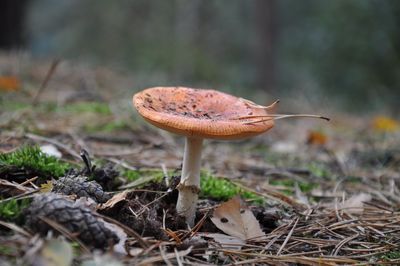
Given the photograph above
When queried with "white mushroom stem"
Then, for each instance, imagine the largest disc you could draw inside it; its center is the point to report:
(189, 187)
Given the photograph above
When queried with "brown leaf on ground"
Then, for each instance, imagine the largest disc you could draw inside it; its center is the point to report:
(316, 138)
(236, 219)
(9, 83)
(114, 200)
(355, 204)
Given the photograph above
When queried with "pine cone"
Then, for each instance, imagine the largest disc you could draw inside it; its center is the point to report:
(77, 218)
(80, 186)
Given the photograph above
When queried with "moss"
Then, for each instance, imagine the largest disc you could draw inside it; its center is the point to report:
(319, 170)
(217, 188)
(392, 255)
(7, 251)
(33, 160)
(75, 108)
(223, 189)
(86, 107)
(13, 106)
(133, 175)
(11, 209)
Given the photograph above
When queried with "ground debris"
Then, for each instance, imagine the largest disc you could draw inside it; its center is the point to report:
(333, 226)
(148, 210)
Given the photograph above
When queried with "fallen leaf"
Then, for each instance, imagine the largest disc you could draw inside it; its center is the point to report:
(235, 219)
(316, 138)
(385, 124)
(355, 203)
(46, 187)
(114, 200)
(9, 83)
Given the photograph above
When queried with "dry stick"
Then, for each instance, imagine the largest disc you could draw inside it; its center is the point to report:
(288, 237)
(15, 228)
(15, 186)
(197, 227)
(178, 257)
(29, 181)
(274, 239)
(145, 207)
(54, 142)
(21, 196)
(337, 248)
(380, 207)
(51, 71)
(255, 105)
(280, 116)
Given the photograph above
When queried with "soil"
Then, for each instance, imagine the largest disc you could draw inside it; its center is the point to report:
(144, 211)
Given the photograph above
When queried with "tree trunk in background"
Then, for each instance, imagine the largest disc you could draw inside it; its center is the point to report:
(12, 20)
(266, 20)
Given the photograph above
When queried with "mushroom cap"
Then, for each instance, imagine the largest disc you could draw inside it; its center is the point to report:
(200, 113)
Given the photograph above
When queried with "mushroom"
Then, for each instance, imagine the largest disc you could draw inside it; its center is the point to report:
(201, 114)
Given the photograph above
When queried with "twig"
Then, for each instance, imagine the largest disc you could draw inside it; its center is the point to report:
(46, 80)
(288, 237)
(15, 228)
(341, 244)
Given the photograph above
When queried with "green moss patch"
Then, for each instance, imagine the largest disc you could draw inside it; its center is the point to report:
(31, 161)
(9, 210)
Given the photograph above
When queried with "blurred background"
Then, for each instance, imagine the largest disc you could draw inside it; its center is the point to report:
(341, 55)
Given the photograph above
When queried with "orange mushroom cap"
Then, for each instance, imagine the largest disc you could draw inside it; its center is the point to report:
(201, 113)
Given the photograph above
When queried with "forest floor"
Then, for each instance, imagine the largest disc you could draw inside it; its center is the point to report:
(322, 193)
